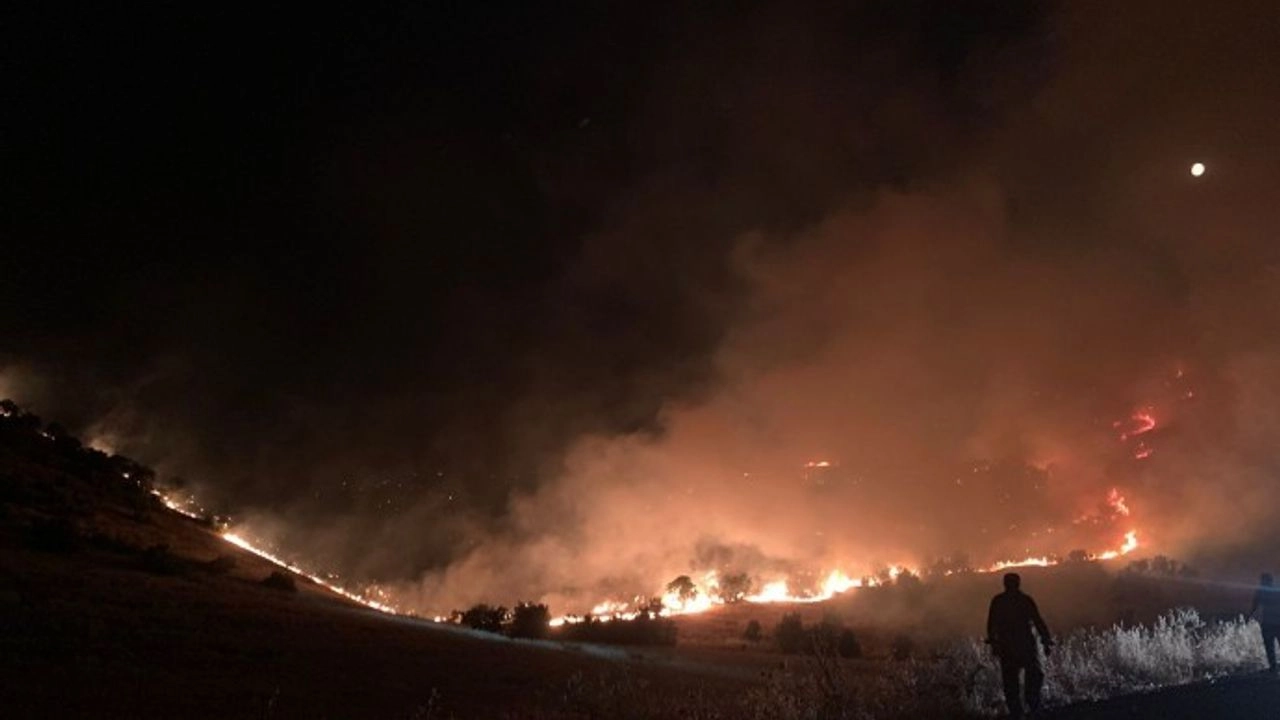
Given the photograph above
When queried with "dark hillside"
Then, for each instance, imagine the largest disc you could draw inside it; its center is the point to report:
(112, 605)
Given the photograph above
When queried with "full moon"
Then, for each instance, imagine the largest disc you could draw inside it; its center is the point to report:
(1197, 169)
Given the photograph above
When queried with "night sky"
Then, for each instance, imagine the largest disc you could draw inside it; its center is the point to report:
(387, 272)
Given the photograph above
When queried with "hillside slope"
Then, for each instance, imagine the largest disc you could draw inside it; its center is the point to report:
(111, 605)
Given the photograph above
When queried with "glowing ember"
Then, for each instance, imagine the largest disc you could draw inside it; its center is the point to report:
(178, 507)
(1144, 422)
(1117, 503)
(1140, 423)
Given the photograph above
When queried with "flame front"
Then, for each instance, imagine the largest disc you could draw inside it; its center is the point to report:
(673, 603)
(834, 583)
(243, 544)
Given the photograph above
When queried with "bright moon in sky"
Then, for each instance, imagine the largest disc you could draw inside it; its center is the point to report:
(1197, 169)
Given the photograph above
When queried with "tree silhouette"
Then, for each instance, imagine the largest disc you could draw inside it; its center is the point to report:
(529, 620)
(734, 587)
(683, 588)
(484, 617)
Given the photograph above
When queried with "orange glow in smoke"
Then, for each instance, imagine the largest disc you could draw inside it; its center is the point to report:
(1146, 422)
(670, 604)
(1117, 502)
(1140, 423)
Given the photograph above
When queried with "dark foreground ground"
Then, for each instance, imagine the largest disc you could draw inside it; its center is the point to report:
(84, 638)
(1236, 698)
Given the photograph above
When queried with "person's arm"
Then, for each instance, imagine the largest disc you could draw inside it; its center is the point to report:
(1257, 600)
(1041, 628)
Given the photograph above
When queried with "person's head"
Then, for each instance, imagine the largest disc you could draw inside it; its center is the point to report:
(1266, 580)
(1012, 581)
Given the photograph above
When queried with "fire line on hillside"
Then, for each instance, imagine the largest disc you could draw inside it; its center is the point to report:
(671, 603)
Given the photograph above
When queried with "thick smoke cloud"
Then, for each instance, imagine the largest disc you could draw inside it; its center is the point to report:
(970, 354)
(573, 336)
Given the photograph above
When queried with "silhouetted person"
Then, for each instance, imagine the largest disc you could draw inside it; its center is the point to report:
(1267, 599)
(1009, 632)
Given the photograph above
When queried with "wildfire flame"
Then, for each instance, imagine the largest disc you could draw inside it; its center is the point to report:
(1140, 423)
(1130, 544)
(673, 603)
(1146, 422)
(243, 544)
(834, 583)
(1117, 502)
(189, 508)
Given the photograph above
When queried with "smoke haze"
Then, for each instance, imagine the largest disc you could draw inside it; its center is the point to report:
(569, 322)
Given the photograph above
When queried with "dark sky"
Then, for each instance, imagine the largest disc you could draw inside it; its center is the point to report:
(399, 227)
(432, 246)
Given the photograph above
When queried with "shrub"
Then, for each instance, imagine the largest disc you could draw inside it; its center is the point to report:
(824, 638)
(902, 647)
(951, 565)
(483, 617)
(278, 580)
(848, 645)
(643, 630)
(1078, 556)
(530, 621)
(754, 633)
(790, 634)
(160, 560)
